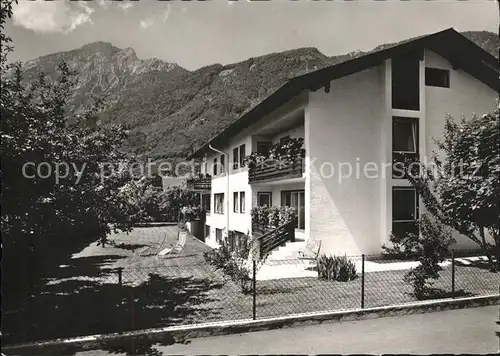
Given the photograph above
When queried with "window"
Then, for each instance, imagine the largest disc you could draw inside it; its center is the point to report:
(218, 235)
(437, 77)
(205, 167)
(264, 198)
(236, 157)
(284, 139)
(205, 203)
(296, 200)
(242, 155)
(239, 240)
(242, 202)
(405, 82)
(215, 166)
(222, 162)
(239, 155)
(219, 203)
(231, 238)
(263, 148)
(235, 202)
(404, 134)
(207, 230)
(404, 210)
(404, 145)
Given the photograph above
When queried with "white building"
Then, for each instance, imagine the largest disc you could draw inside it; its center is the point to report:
(357, 113)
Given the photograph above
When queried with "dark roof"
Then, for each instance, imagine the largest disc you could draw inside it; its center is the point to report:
(449, 44)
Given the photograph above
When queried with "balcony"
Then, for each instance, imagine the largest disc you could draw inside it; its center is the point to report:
(199, 183)
(271, 170)
(284, 160)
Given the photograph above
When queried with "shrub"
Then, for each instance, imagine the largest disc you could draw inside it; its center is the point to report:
(430, 248)
(260, 215)
(279, 154)
(274, 216)
(233, 264)
(190, 213)
(336, 268)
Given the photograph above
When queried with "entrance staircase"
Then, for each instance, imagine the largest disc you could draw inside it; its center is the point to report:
(271, 239)
(290, 250)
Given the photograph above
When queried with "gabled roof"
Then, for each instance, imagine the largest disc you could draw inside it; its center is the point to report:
(449, 44)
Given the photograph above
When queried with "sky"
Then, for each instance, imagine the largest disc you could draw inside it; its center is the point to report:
(195, 34)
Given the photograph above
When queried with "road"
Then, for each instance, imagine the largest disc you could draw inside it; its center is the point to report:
(454, 331)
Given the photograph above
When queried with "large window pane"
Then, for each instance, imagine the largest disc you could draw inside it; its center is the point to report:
(219, 203)
(263, 148)
(403, 228)
(404, 211)
(222, 164)
(404, 204)
(235, 202)
(406, 82)
(404, 145)
(235, 158)
(264, 198)
(404, 134)
(242, 155)
(205, 202)
(242, 202)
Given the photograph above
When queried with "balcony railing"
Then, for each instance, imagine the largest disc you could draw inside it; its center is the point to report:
(199, 183)
(270, 170)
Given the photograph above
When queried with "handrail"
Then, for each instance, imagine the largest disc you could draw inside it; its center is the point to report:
(272, 239)
(204, 183)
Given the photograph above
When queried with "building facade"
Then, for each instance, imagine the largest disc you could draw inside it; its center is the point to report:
(356, 119)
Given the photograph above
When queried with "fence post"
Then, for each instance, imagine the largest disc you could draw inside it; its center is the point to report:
(254, 296)
(120, 274)
(453, 274)
(362, 281)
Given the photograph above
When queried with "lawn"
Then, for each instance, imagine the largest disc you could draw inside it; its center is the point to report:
(85, 296)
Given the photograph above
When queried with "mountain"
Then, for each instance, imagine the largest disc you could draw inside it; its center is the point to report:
(170, 110)
(103, 70)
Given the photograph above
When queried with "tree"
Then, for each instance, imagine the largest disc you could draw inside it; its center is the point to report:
(55, 199)
(174, 199)
(429, 247)
(462, 188)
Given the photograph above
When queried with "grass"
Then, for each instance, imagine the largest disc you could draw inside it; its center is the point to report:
(84, 297)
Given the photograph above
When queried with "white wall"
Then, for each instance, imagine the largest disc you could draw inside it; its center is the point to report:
(238, 179)
(237, 221)
(466, 96)
(345, 125)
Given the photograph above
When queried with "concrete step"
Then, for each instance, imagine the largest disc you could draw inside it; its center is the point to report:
(289, 251)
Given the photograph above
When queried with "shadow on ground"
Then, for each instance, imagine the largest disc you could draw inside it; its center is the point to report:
(92, 302)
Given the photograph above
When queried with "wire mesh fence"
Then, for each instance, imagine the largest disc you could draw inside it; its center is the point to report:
(137, 297)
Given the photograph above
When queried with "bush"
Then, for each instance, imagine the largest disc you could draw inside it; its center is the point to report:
(274, 216)
(430, 248)
(336, 268)
(191, 213)
(233, 264)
